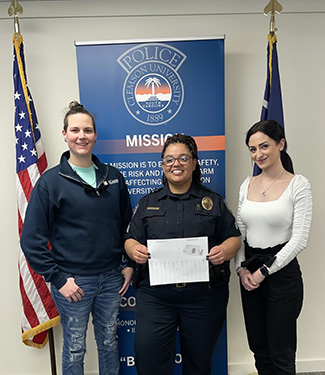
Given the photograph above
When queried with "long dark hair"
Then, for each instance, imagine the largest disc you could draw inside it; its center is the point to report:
(190, 143)
(275, 131)
(75, 108)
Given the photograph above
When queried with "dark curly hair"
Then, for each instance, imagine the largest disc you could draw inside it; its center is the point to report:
(75, 108)
(191, 145)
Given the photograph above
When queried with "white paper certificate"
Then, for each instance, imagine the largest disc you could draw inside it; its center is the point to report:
(178, 260)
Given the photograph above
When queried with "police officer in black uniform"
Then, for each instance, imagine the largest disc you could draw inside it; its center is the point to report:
(182, 208)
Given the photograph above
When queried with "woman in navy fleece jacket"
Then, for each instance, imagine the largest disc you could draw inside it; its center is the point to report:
(82, 208)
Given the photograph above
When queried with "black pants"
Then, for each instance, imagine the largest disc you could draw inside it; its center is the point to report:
(271, 313)
(197, 311)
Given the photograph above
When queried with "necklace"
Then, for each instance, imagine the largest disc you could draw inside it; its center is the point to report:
(265, 190)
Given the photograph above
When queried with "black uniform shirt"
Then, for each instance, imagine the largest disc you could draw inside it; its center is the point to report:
(199, 212)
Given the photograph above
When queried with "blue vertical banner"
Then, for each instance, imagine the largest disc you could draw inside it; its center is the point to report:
(141, 93)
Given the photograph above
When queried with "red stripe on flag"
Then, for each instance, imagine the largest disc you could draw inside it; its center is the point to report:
(27, 306)
(25, 182)
(20, 224)
(42, 163)
(40, 338)
(44, 293)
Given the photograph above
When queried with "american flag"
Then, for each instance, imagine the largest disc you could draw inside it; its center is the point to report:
(272, 108)
(39, 312)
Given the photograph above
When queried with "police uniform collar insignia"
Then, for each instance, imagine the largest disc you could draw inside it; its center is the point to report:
(207, 203)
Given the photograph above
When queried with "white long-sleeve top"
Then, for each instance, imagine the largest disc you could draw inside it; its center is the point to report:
(267, 224)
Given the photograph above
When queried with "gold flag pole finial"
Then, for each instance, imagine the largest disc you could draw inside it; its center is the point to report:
(13, 10)
(273, 7)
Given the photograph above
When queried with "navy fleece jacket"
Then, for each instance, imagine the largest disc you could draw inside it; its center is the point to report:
(84, 226)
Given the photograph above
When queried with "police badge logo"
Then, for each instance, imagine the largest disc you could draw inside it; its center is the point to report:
(153, 91)
(207, 203)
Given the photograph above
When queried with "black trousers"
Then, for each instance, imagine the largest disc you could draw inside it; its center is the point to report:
(271, 313)
(197, 311)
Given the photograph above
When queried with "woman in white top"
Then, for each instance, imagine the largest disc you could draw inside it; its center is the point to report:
(274, 217)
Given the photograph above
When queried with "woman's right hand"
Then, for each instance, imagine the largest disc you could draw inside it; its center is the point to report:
(247, 279)
(136, 251)
(140, 253)
(71, 291)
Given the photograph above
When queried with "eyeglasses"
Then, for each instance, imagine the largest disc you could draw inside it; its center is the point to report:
(182, 159)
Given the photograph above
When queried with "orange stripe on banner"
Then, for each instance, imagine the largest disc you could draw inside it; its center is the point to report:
(211, 143)
(119, 146)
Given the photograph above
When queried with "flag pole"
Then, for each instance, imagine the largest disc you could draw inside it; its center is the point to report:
(14, 9)
(272, 102)
(273, 7)
(52, 351)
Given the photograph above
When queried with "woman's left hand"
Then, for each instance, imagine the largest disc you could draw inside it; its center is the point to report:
(258, 276)
(225, 251)
(127, 272)
(217, 255)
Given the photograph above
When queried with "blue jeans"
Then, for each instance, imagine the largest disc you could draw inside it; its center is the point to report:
(102, 300)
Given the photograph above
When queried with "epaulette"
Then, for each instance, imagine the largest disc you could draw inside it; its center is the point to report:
(208, 189)
(155, 190)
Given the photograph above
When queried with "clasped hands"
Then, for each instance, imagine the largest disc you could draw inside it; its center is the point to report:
(250, 281)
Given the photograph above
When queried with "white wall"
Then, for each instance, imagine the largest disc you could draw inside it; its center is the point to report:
(50, 28)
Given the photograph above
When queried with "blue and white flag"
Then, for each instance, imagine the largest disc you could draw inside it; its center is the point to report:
(272, 103)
